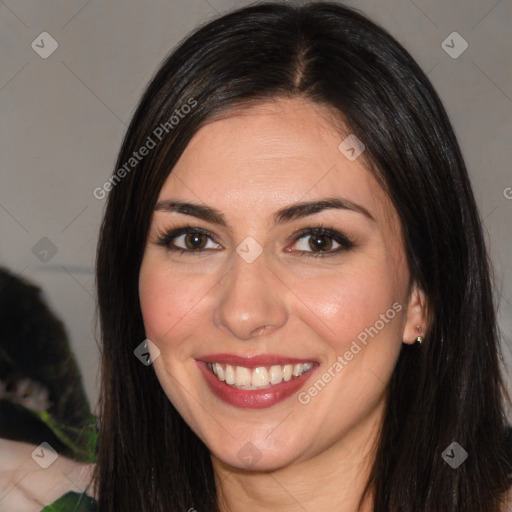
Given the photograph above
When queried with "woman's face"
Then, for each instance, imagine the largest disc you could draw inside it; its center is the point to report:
(293, 262)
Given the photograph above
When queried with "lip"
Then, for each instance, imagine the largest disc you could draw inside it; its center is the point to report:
(251, 398)
(254, 361)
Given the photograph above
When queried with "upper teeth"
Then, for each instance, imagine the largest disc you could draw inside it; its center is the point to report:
(260, 377)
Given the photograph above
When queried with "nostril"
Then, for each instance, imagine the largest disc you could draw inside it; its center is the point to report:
(259, 330)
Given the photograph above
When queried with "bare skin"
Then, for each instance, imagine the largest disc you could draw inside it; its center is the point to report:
(25, 486)
(312, 456)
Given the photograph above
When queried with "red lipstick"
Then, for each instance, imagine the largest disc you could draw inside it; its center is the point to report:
(253, 398)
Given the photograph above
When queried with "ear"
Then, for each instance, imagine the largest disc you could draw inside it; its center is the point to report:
(416, 315)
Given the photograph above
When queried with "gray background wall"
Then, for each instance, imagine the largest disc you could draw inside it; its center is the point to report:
(63, 118)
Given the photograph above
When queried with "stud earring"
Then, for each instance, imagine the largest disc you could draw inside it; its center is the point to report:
(419, 339)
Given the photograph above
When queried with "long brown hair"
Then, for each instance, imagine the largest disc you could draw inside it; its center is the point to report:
(448, 390)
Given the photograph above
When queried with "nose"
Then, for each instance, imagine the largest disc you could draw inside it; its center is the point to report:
(251, 300)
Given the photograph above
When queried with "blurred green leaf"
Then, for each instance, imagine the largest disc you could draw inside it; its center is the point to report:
(72, 502)
(82, 441)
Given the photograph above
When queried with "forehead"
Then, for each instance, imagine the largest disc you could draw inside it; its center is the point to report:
(266, 156)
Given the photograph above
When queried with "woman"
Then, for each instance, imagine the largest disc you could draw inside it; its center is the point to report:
(306, 203)
(292, 240)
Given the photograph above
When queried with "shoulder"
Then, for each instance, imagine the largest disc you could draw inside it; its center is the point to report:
(32, 477)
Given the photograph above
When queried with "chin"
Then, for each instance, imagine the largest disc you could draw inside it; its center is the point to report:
(251, 458)
(259, 452)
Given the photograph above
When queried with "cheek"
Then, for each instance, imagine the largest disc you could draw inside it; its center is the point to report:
(157, 303)
(170, 305)
(359, 304)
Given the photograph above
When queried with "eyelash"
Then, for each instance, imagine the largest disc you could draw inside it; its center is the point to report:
(165, 239)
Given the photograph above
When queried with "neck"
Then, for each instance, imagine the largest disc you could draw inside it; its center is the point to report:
(333, 479)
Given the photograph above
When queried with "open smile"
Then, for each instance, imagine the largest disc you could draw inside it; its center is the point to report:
(256, 382)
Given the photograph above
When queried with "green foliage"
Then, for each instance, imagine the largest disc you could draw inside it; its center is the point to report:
(81, 441)
(72, 502)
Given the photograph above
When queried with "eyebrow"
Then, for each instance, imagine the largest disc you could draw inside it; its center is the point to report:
(286, 214)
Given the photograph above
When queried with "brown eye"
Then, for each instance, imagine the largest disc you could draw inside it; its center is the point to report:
(188, 240)
(194, 241)
(320, 243)
(317, 243)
